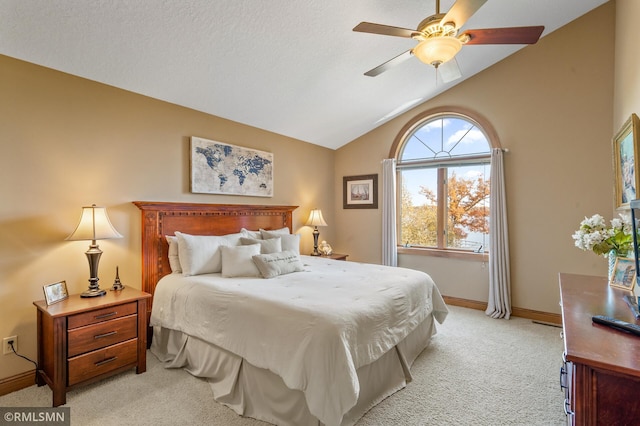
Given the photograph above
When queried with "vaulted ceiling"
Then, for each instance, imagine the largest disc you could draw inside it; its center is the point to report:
(290, 67)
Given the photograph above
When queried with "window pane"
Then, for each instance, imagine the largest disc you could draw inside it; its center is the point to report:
(463, 138)
(425, 143)
(445, 137)
(418, 208)
(468, 207)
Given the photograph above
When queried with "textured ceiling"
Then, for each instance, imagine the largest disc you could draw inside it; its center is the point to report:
(290, 67)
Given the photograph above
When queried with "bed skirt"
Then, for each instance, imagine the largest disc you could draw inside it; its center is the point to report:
(261, 394)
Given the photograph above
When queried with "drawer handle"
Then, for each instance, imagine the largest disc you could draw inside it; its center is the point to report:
(100, 336)
(563, 376)
(110, 314)
(105, 361)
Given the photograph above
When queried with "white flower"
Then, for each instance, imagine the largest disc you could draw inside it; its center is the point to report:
(596, 236)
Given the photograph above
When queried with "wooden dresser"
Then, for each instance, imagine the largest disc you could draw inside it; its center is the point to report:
(81, 340)
(601, 371)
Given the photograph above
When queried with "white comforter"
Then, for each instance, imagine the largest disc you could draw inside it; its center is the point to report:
(312, 328)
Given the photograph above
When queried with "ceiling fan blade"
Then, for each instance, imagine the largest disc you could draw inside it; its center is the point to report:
(389, 64)
(449, 71)
(513, 35)
(369, 27)
(461, 11)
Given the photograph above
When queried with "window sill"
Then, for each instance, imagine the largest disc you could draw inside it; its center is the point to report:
(447, 253)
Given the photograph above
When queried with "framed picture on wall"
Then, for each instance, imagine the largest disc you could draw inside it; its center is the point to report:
(221, 168)
(360, 192)
(625, 162)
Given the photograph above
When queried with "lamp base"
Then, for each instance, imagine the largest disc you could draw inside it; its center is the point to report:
(93, 293)
(93, 256)
(316, 233)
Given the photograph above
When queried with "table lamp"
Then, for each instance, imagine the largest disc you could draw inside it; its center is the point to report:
(315, 220)
(94, 225)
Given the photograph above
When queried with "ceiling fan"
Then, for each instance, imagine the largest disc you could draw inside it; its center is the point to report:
(439, 41)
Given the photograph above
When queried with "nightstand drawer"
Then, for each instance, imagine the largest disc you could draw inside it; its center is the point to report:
(85, 339)
(102, 361)
(99, 315)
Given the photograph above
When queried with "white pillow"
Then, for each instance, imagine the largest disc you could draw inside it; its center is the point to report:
(289, 241)
(284, 230)
(238, 261)
(234, 239)
(274, 264)
(273, 245)
(251, 234)
(172, 254)
(200, 254)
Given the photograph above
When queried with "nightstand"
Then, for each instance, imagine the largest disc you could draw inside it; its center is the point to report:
(336, 256)
(82, 340)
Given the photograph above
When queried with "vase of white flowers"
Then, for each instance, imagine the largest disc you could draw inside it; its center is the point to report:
(611, 241)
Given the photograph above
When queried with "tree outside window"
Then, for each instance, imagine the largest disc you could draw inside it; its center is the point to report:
(443, 177)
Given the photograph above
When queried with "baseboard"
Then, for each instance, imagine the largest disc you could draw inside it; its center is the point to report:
(465, 303)
(539, 316)
(17, 382)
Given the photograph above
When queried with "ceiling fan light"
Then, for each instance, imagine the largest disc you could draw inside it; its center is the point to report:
(437, 50)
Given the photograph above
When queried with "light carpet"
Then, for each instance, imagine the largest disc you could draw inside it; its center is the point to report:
(477, 371)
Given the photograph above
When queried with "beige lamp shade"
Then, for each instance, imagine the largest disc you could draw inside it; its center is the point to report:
(437, 50)
(316, 219)
(94, 225)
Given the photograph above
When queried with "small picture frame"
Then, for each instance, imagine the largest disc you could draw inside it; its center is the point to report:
(56, 292)
(624, 274)
(360, 192)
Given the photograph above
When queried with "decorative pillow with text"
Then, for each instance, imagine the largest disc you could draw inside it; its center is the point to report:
(274, 264)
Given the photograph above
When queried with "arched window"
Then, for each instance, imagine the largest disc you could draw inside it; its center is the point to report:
(443, 163)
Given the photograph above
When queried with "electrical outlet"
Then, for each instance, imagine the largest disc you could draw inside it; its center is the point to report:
(6, 347)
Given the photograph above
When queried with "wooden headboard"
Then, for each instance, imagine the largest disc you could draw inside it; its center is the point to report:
(160, 219)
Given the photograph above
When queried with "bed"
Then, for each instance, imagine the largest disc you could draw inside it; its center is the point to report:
(317, 346)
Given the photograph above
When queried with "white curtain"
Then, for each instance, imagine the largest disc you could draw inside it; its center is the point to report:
(389, 246)
(499, 305)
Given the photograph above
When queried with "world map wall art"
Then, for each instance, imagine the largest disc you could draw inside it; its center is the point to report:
(220, 168)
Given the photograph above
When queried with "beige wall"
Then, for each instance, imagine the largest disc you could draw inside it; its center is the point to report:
(626, 98)
(69, 142)
(550, 105)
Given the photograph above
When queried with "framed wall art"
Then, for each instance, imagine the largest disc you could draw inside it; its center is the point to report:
(625, 163)
(220, 168)
(360, 192)
(55, 292)
(624, 273)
